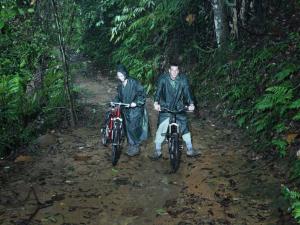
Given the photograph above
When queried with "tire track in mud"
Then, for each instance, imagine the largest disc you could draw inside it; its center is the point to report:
(75, 176)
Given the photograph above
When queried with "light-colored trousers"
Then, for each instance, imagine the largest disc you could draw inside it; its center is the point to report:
(162, 129)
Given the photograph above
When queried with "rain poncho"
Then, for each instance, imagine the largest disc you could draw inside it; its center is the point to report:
(136, 119)
(174, 95)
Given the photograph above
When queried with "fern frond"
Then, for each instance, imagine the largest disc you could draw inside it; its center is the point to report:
(280, 127)
(297, 116)
(276, 95)
(281, 146)
(283, 74)
(295, 104)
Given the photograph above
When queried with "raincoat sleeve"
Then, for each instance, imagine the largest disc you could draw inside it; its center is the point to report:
(159, 88)
(187, 92)
(140, 94)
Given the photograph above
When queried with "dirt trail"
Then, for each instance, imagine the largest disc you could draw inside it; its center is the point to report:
(76, 183)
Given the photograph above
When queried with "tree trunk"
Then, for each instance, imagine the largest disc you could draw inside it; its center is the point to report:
(221, 26)
(233, 9)
(243, 12)
(66, 65)
(235, 20)
(258, 9)
(70, 25)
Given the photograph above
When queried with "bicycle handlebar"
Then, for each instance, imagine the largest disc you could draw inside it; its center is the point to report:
(120, 104)
(185, 109)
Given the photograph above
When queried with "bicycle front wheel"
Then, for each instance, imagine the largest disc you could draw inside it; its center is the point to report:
(104, 136)
(115, 154)
(174, 152)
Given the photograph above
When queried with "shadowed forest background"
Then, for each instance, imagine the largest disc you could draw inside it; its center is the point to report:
(242, 58)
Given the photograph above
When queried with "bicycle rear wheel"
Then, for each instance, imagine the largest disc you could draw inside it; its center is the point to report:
(174, 152)
(116, 151)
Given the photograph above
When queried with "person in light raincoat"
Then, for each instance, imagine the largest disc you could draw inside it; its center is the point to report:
(130, 91)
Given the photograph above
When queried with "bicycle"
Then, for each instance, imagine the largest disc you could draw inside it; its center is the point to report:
(114, 130)
(174, 138)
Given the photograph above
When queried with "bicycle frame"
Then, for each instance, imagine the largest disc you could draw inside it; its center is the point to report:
(173, 137)
(173, 126)
(113, 132)
(115, 119)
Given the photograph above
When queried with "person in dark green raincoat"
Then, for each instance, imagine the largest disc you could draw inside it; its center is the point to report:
(130, 91)
(173, 92)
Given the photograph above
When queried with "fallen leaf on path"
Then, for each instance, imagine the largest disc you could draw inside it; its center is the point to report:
(114, 170)
(161, 212)
(69, 182)
(23, 158)
(81, 157)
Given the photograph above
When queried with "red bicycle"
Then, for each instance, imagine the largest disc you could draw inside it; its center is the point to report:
(113, 132)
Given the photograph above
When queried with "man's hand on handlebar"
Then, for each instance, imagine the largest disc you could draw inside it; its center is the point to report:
(191, 107)
(157, 106)
(132, 104)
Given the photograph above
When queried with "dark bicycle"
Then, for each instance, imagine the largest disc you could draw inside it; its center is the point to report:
(113, 132)
(174, 138)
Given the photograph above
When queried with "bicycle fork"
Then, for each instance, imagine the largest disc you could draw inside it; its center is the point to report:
(174, 129)
(117, 126)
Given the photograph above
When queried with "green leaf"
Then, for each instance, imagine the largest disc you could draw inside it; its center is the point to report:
(30, 10)
(297, 116)
(295, 104)
(241, 121)
(283, 74)
(99, 23)
(21, 11)
(265, 103)
(161, 211)
(1, 24)
(114, 170)
(8, 14)
(23, 63)
(280, 146)
(280, 127)
(279, 143)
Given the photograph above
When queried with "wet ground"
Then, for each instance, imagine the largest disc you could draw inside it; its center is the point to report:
(70, 179)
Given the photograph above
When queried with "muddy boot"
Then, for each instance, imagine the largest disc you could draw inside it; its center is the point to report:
(133, 150)
(193, 153)
(156, 155)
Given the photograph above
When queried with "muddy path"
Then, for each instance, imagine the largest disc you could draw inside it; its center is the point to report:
(75, 183)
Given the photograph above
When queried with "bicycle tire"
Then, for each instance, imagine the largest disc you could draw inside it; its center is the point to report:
(104, 136)
(174, 152)
(115, 155)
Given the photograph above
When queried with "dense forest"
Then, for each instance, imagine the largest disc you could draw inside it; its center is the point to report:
(242, 58)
